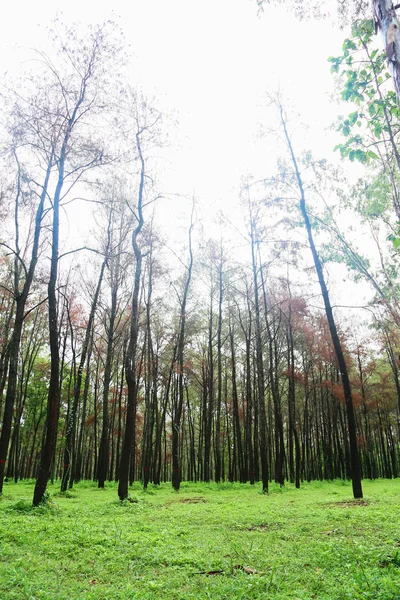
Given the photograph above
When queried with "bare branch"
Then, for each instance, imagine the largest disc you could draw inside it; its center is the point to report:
(16, 255)
(35, 307)
(79, 250)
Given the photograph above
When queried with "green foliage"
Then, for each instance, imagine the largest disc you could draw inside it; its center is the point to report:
(208, 541)
(374, 198)
(395, 238)
(363, 75)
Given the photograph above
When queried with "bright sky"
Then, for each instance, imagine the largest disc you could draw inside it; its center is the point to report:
(210, 63)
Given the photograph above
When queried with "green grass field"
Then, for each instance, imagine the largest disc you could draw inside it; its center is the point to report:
(206, 541)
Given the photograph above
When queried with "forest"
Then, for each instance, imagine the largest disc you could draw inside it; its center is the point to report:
(143, 349)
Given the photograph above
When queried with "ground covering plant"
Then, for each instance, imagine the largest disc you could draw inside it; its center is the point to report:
(207, 541)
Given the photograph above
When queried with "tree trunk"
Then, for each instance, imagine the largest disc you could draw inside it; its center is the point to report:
(354, 456)
(17, 332)
(178, 398)
(130, 357)
(387, 24)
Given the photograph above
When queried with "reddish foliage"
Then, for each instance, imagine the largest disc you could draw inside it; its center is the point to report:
(338, 393)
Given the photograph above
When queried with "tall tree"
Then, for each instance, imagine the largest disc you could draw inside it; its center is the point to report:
(146, 122)
(354, 455)
(178, 399)
(46, 158)
(76, 91)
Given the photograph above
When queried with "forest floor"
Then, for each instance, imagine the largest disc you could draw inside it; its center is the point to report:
(207, 541)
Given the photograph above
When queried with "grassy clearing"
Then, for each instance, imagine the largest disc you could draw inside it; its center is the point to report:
(208, 541)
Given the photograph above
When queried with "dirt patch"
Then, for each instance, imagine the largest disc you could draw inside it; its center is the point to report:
(264, 527)
(350, 503)
(196, 500)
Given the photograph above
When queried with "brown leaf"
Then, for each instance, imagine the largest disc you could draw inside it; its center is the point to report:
(247, 570)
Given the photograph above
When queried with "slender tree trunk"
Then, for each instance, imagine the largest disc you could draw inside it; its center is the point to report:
(219, 376)
(262, 420)
(15, 341)
(102, 463)
(130, 358)
(354, 455)
(178, 403)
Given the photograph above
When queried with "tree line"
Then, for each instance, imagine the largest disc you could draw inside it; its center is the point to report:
(127, 360)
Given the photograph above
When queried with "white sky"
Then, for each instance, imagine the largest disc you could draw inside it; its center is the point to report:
(211, 63)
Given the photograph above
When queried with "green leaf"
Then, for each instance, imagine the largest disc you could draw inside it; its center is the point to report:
(377, 130)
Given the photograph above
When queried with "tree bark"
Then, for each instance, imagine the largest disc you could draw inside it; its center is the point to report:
(387, 24)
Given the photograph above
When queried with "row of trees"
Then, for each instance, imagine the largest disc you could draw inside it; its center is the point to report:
(197, 408)
(202, 362)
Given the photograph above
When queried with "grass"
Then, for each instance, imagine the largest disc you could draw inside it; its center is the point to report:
(207, 541)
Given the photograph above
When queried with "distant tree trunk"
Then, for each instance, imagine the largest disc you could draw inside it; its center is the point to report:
(293, 433)
(237, 431)
(69, 451)
(249, 422)
(77, 473)
(274, 386)
(219, 375)
(209, 383)
(354, 456)
(161, 422)
(151, 403)
(178, 399)
(262, 419)
(102, 462)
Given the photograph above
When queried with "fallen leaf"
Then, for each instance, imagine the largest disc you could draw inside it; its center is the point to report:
(247, 570)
